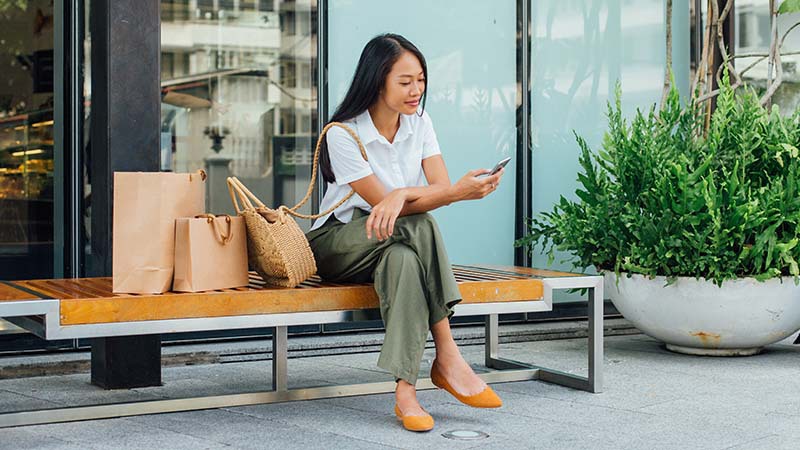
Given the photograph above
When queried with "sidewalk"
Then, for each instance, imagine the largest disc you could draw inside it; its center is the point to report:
(652, 399)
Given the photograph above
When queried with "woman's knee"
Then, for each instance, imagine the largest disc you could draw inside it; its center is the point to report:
(415, 224)
(399, 254)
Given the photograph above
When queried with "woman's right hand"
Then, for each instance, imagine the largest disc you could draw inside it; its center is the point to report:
(470, 187)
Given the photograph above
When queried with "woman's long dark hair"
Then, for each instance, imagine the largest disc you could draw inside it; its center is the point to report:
(377, 59)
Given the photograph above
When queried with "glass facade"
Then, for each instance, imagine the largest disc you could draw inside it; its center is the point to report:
(27, 137)
(239, 95)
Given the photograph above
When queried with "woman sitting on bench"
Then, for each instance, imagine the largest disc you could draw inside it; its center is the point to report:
(384, 234)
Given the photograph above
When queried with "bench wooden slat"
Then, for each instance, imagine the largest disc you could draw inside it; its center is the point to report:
(480, 271)
(266, 301)
(42, 287)
(532, 272)
(87, 286)
(9, 293)
(102, 284)
(484, 275)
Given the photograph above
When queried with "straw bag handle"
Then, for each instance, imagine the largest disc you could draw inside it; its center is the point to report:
(239, 193)
(223, 238)
(238, 190)
(245, 196)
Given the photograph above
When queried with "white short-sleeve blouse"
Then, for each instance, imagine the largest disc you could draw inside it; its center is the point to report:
(397, 164)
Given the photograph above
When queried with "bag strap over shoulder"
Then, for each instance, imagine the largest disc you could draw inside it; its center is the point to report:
(238, 190)
(314, 168)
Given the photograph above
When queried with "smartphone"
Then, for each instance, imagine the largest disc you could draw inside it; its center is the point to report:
(497, 167)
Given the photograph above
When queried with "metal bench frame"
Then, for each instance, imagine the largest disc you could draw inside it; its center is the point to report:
(23, 312)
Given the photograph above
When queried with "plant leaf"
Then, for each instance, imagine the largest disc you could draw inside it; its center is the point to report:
(789, 6)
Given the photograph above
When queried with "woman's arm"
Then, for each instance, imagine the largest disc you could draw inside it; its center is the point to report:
(440, 192)
(386, 207)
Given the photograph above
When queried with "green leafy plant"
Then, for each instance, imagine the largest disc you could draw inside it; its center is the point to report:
(789, 6)
(663, 198)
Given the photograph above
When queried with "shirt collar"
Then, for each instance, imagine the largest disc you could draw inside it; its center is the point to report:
(405, 129)
(368, 132)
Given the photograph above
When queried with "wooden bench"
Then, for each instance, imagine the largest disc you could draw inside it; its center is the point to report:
(86, 308)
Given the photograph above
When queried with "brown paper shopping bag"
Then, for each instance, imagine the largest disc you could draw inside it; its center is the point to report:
(210, 253)
(146, 205)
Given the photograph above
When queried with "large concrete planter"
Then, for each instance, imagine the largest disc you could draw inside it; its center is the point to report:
(698, 317)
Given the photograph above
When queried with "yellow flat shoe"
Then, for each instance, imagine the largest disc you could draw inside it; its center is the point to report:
(415, 423)
(484, 399)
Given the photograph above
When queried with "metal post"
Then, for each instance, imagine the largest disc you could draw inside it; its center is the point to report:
(524, 167)
(322, 82)
(492, 339)
(125, 123)
(280, 354)
(596, 338)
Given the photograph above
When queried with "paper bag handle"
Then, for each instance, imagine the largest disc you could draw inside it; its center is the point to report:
(201, 173)
(222, 237)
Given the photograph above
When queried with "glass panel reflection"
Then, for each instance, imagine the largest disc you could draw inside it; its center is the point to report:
(753, 29)
(579, 51)
(26, 139)
(239, 95)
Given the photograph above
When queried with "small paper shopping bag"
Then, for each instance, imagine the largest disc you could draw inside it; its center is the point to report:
(210, 253)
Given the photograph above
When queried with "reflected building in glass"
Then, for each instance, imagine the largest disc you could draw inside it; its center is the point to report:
(239, 95)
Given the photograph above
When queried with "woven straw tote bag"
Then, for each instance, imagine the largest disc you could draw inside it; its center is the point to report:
(276, 246)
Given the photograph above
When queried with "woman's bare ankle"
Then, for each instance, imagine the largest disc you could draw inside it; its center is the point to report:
(404, 387)
(406, 398)
(448, 361)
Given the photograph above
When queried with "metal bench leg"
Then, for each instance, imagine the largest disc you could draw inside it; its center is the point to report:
(492, 343)
(596, 354)
(594, 382)
(280, 355)
(492, 339)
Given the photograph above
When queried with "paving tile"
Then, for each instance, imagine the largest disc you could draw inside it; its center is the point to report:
(14, 402)
(378, 427)
(771, 442)
(24, 439)
(69, 390)
(246, 431)
(757, 415)
(684, 437)
(120, 434)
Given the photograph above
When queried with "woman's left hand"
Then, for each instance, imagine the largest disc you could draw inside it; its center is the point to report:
(384, 214)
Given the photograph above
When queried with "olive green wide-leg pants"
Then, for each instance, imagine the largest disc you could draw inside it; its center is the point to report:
(412, 277)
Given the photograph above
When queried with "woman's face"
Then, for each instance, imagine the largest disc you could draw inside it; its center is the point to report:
(404, 85)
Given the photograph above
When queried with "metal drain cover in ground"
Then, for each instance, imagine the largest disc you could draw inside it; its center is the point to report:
(465, 435)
